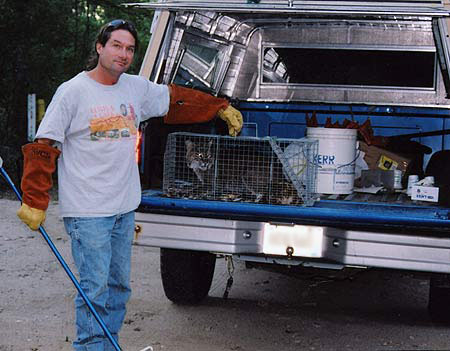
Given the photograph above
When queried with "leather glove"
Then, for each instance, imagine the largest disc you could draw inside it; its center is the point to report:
(38, 167)
(233, 118)
(32, 217)
(189, 106)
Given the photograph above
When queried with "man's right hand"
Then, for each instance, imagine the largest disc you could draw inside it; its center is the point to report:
(32, 217)
(38, 167)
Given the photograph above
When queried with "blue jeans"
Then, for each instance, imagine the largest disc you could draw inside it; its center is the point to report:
(101, 249)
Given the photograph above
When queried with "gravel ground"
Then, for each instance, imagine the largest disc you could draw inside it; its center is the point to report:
(265, 311)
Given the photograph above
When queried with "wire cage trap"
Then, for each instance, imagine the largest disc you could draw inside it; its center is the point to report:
(245, 169)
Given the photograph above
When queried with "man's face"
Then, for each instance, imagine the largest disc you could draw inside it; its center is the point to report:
(117, 54)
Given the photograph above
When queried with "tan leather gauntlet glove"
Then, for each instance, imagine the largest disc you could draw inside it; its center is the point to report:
(192, 106)
(39, 165)
(233, 118)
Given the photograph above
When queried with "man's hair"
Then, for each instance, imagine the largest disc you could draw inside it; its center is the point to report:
(105, 33)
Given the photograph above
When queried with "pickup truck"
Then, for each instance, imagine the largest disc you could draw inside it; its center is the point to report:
(281, 63)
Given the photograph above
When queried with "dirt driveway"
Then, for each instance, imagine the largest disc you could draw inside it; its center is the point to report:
(265, 311)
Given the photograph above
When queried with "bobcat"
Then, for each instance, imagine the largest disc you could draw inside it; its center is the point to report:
(199, 159)
(240, 174)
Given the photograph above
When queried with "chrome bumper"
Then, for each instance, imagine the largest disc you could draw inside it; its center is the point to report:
(342, 247)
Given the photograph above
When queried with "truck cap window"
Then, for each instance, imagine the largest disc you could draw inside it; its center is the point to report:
(360, 67)
(199, 63)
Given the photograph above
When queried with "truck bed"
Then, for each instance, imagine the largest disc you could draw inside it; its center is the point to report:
(387, 211)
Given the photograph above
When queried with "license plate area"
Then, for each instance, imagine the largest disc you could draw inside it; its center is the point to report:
(293, 240)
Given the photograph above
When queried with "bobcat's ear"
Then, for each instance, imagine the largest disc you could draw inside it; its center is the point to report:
(189, 145)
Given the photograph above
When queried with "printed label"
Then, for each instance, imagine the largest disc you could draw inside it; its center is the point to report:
(324, 159)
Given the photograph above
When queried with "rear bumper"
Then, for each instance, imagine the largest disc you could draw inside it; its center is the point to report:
(406, 251)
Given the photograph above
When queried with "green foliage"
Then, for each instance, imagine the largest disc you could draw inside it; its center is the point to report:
(44, 43)
(47, 42)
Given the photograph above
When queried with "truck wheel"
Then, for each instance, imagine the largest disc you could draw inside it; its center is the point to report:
(186, 275)
(439, 300)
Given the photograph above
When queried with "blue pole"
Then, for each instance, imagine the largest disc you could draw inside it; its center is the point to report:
(66, 268)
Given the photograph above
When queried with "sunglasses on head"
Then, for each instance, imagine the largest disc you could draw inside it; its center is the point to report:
(119, 24)
(114, 25)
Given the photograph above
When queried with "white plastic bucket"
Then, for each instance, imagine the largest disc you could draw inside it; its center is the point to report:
(335, 160)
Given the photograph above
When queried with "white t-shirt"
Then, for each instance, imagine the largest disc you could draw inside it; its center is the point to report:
(96, 126)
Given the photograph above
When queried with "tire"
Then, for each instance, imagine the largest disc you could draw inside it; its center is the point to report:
(186, 275)
(439, 299)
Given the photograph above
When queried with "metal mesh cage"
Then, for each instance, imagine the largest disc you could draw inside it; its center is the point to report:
(247, 169)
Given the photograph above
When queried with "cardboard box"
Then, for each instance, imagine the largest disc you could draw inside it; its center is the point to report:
(379, 158)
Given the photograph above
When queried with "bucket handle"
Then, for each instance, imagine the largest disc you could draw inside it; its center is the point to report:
(354, 160)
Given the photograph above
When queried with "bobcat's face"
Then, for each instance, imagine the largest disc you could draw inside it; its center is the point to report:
(204, 161)
(199, 157)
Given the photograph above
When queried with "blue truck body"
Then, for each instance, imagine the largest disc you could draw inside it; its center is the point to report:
(288, 121)
(255, 54)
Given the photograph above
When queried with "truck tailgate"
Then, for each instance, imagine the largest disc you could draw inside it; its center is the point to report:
(353, 211)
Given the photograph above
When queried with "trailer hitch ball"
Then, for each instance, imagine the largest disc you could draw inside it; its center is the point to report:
(137, 231)
(289, 251)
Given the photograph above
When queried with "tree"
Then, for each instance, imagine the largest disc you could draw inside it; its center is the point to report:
(45, 43)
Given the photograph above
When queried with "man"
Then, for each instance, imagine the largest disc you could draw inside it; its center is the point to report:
(93, 119)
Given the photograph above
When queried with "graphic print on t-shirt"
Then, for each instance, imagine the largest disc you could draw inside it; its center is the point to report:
(108, 125)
